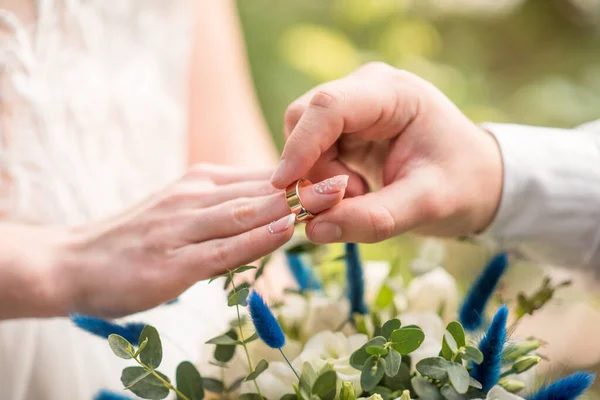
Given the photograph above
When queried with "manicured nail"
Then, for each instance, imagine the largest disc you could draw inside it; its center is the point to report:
(332, 185)
(282, 225)
(326, 232)
(278, 174)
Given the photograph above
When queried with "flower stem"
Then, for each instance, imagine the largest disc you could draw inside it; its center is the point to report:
(288, 362)
(243, 340)
(164, 382)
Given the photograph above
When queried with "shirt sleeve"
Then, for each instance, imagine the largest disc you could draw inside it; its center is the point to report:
(550, 205)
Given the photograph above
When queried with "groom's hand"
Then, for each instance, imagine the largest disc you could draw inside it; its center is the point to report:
(431, 169)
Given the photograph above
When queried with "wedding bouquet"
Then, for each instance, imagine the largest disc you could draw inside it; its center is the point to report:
(353, 330)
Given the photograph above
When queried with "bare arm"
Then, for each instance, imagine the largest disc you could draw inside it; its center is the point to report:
(226, 126)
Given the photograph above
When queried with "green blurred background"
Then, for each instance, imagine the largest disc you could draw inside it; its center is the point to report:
(524, 61)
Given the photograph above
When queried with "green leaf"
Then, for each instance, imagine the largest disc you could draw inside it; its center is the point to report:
(139, 378)
(434, 368)
(472, 354)
(141, 347)
(151, 355)
(376, 350)
(224, 353)
(372, 372)
(224, 340)
(214, 385)
(120, 346)
(259, 369)
(235, 271)
(189, 381)
(261, 268)
(451, 342)
(149, 387)
(459, 377)
(251, 396)
(450, 393)
(475, 383)
(458, 334)
(325, 385)
(393, 360)
(389, 327)
(251, 338)
(307, 379)
(407, 340)
(238, 298)
(360, 356)
(236, 384)
(425, 389)
(289, 397)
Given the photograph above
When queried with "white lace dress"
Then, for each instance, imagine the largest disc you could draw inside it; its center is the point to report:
(92, 119)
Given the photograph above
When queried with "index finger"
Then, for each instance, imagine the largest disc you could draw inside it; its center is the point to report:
(348, 105)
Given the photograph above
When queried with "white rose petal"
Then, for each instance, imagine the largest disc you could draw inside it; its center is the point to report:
(433, 291)
(274, 383)
(499, 393)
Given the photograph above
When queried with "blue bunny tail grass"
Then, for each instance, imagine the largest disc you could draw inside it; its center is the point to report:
(568, 388)
(472, 310)
(103, 328)
(108, 395)
(492, 344)
(303, 274)
(265, 323)
(355, 279)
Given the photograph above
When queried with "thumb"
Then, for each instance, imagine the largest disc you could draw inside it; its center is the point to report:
(373, 217)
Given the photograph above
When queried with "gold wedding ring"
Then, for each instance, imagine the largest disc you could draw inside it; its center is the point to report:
(292, 196)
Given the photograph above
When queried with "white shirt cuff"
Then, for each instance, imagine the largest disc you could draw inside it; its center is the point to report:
(550, 206)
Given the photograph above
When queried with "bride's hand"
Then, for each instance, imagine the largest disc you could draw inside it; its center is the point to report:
(212, 220)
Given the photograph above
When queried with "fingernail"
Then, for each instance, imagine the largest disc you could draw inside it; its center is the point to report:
(332, 185)
(278, 174)
(326, 232)
(282, 224)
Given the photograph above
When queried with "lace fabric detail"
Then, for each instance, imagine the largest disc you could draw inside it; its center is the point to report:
(92, 106)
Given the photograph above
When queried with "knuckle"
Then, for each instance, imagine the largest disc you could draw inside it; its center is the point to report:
(377, 66)
(244, 212)
(218, 255)
(382, 223)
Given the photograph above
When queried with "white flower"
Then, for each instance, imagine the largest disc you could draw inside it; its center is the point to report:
(313, 314)
(275, 382)
(431, 255)
(376, 273)
(432, 292)
(498, 393)
(336, 348)
(432, 326)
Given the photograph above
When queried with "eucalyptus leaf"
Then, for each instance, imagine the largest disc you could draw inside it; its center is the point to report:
(472, 354)
(475, 383)
(308, 378)
(224, 353)
(251, 338)
(151, 355)
(224, 340)
(289, 396)
(251, 396)
(459, 377)
(238, 298)
(376, 350)
(189, 381)
(458, 334)
(434, 368)
(214, 385)
(389, 327)
(120, 346)
(393, 360)
(372, 372)
(139, 378)
(325, 385)
(406, 340)
(425, 389)
(150, 387)
(451, 342)
(235, 271)
(259, 369)
(450, 393)
(360, 356)
(141, 347)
